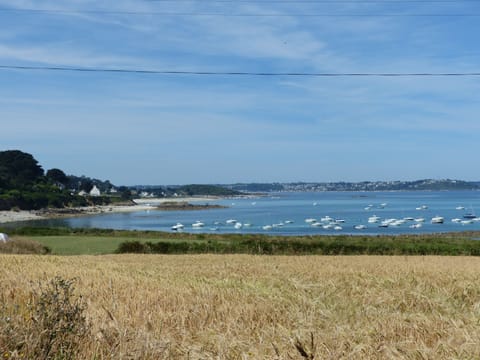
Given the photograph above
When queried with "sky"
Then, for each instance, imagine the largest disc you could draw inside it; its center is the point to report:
(137, 128)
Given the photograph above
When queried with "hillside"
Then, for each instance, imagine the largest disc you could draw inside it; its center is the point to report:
(24, 185)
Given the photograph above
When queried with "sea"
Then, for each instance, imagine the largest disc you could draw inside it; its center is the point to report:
(305, 213)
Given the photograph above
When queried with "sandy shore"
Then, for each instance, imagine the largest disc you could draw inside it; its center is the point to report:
(139, 205)
(22, 215)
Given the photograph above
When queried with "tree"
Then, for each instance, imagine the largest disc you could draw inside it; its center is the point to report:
(125, 192)
(57, 176)
(18, 169)
(86, 184)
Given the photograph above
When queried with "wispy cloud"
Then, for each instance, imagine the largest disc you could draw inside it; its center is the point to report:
(269, 128)
(63, 54)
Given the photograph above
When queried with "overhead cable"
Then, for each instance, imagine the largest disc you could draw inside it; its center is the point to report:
(185, 14)
(258, 2)
(235, 73)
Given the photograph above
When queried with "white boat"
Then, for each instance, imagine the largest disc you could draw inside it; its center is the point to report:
(177, 226)
(437, 220)
(360, 227)
(423, 207)
(456, 220)
(466, 222)
(337, 228)
(267, 227)
(198, 224)
(416, 226)
(388, 222)
(460, 208)
(231, 221)
(310, 220)
(420, 220)
(316, 224)
(238, 225)
(288, 221)
(326, 218)
(374, 219)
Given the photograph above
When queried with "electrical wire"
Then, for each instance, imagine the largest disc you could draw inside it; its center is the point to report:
(157, 13)
(318, 1)
(235, 73)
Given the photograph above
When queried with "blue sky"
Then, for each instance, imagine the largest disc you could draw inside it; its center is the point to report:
(179, 129)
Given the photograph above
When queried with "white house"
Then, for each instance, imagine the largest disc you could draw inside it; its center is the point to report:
(95, 191)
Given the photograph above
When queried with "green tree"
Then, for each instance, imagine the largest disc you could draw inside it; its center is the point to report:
(125, 192)
(86, 184)
(18, 169)
(57, 176)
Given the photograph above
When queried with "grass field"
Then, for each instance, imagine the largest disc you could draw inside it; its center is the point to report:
(91, 242)
(259, 307)
(83, 245)
(70, 241)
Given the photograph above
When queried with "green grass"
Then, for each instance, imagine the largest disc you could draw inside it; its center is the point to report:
(67, 241)
(90, 245)
(81, 245)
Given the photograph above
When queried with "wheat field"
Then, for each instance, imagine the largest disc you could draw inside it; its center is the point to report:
(262, 307)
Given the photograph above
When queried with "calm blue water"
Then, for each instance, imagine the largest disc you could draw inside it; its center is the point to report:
(296, 207)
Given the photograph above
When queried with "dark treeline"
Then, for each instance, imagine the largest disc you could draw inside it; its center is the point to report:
(25, 185)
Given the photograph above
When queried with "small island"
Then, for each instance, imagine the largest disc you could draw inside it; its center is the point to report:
(185, 205)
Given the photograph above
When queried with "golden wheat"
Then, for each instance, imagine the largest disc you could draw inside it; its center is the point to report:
(261, 307)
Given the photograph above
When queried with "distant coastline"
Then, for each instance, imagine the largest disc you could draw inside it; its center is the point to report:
(397, 185)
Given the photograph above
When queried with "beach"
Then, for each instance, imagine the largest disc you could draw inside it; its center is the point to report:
(137, 205)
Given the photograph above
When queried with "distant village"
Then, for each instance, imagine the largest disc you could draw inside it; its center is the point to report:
(426, 184)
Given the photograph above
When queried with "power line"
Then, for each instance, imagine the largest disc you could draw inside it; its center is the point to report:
(156, 13)
(318, 1)
(234, 73)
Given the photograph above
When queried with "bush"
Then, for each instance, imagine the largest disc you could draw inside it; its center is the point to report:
(135, 247)
(51, 326)
(23, 246)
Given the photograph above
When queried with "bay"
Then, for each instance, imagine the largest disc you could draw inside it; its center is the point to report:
(285, 214)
